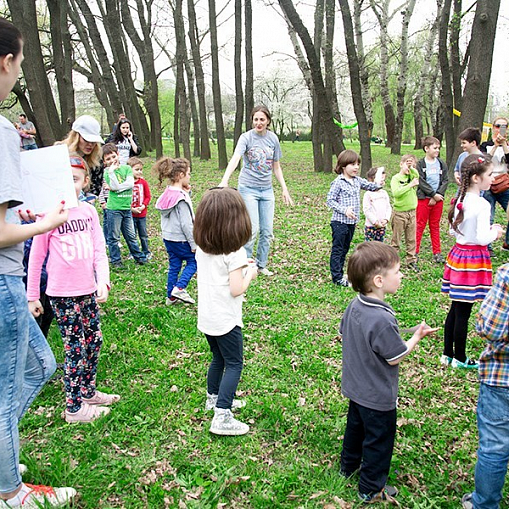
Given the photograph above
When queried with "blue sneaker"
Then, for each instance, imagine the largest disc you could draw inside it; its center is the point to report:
(445, 361)
(468, 364)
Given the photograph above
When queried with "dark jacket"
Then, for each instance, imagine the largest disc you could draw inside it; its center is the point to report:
(132, 153)
(424, 190)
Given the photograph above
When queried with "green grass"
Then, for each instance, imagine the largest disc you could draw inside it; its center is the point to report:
(154, 449)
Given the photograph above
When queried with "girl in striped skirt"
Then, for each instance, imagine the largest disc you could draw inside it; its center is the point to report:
(467, 274)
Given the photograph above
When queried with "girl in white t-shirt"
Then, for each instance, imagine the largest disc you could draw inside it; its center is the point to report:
(222, 226)
(468, 274)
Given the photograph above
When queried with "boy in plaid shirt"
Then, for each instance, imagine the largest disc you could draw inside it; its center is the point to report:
(493, 403)
(345, 201)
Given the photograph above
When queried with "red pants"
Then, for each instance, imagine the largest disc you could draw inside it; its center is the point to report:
(429, 214)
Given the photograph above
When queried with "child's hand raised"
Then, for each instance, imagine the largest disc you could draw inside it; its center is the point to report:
(423, 330)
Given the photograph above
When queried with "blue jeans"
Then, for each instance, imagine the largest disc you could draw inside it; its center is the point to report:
(122, 221)
(493, 452)
(178, 253)
(140, 226)
(105, 224)
(32, 146)
(503, 199)
(260, 207)
(226, 367)
(26, 363)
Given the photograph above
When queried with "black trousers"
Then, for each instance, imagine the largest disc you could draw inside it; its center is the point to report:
(342, 235)
(456, 330)
(368, 444)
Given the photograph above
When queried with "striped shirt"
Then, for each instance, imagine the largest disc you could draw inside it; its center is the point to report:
(345, 193)
(493, 325)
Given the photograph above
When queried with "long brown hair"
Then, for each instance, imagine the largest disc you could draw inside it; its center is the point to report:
(222, 224)
(474, 164)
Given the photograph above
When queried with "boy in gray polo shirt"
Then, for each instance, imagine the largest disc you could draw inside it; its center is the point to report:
(372, 351)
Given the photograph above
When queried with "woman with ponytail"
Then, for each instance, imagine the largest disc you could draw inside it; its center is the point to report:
(467, 274)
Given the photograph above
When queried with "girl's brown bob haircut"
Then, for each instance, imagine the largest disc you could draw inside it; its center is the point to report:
(222, 224)
(345, 158)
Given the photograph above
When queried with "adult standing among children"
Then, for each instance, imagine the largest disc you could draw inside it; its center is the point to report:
(125, 140)
(26, 360)
(85, 139)
(498, 149)
(27, 128)
(261, 152)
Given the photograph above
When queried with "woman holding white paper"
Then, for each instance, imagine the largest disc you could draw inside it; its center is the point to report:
(26, 360)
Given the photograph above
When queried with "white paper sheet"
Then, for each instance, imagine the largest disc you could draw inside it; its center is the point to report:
(46, 175)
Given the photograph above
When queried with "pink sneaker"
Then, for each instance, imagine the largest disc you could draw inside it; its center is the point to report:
(101, 398)
(87, 413)
(32, 497)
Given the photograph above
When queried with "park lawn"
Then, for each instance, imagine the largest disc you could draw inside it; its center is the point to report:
(154, 449)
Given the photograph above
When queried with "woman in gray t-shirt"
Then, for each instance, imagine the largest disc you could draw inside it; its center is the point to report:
(260, 151)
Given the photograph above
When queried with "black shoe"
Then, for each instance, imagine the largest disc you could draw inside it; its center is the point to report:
(386, 495)
(117, 265)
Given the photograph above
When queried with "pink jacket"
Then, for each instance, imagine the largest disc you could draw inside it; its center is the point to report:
(77, 257)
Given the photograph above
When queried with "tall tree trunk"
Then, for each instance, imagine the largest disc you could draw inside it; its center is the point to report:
(192, 106)
(62, 59)
(363, 70)
(356, 87)
(216, 89)
(96, 47)
(382, 14)
(249, 88)
(330, 80)
(402, 79)
(446, 92)
(110, 12)
(316, 127)
(324, 108)
(180, 92)
(239, 94)
(24, 16)
(200, 81)
(482, 43)
(94, 74)
(146, 53)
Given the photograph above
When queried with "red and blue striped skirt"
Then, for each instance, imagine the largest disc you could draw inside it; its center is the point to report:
(467, 274)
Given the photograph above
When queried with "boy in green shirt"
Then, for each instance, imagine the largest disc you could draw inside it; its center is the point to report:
(120, 181)
(403, 187)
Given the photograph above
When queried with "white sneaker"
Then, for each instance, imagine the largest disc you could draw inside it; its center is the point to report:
(445, 360)
(22, 468)
(468, 364)
(35, 497)
(170, 302)
(223, 423)
(181, 294)
(264, 271)
(210, 404)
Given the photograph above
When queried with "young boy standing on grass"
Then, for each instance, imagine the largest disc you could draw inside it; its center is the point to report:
(433, 182)
(403, 186)
(372, 351)
(470, 140)
(493, 403)
(141, 199)
(345, 201)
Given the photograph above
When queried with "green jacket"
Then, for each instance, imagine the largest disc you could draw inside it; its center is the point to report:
(121, 182)
(405, 197)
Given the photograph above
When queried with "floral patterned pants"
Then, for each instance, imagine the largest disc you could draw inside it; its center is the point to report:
(78, 321)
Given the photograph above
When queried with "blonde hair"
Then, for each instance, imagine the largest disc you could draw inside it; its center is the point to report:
(73, 140)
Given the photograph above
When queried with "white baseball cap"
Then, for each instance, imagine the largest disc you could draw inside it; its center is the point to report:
(88, 128)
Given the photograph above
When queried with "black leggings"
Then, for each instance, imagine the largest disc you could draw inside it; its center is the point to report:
(456, 329)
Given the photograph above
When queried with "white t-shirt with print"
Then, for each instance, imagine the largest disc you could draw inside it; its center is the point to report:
(218, 311)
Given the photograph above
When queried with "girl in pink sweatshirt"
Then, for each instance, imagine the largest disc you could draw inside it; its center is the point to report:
(78, 278)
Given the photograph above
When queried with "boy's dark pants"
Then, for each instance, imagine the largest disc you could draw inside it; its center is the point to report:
(369, 438)
(342, 235)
